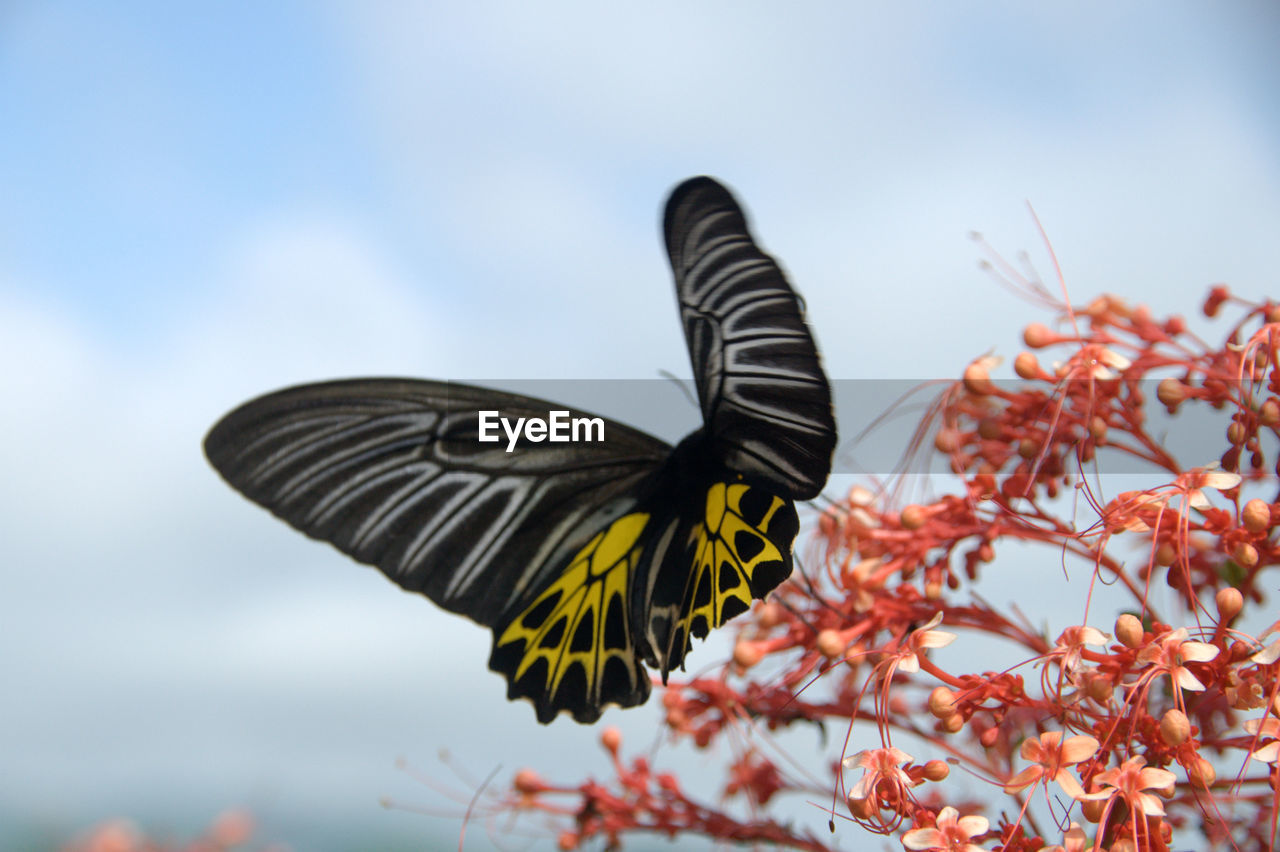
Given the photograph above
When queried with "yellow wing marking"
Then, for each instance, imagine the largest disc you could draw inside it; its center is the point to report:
(579, 605)
(728, 547)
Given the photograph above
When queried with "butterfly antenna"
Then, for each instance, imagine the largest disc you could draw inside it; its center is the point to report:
(813, 593)
(683, 384)
(799, 615)
(462, 835)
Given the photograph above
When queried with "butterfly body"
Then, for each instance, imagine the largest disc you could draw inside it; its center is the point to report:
(587, 560)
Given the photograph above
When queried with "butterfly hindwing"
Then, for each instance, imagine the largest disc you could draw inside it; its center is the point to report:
(571, 648)
(741, 551)
(735, 549)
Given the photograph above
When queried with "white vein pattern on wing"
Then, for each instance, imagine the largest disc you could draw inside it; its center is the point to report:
(482, 547)
(656, 557)
(694, 236)
(354, 485)
(305, 480)
(742, 323)
(280, 448)
(744, 280)
(783, 416)
(341, 442)
(554, 540)
(423, 487)
(710, 273)
(692, 283)
(742, 365)
(765, 453)
(549, 557)
(767, 390)
(342, 413)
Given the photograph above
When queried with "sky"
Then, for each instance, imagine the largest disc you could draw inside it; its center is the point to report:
(201, 203)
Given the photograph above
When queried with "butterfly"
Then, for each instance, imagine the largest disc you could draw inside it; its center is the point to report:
(589, 560)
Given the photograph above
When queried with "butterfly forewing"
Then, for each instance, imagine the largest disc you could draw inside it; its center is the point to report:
(766, 402)
(392, 472)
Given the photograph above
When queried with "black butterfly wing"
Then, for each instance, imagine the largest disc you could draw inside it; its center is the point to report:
(730, 545)
(766, 402)
(768, 434)
(393, 473)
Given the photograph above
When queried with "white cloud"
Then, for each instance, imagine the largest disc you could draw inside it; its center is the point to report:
(523, 157)
(159, 621)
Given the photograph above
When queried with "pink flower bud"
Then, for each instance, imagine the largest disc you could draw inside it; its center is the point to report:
(831, 644)
(1037, 336)
(611, 738)
(936, 770)
(1171, 392)
(942, 702)
(1026, 366)
(770, 615)
(1230, 602)
(1256, 515)
(1201, 772)
(1175, 727)
(1129, 630)
(529, 782)
(947, 441)
(977, 376)
(914, 517)
(1245, 554)
(746, 653)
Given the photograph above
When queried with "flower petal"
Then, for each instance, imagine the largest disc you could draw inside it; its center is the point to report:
(1268, 655)
(1067, 781)
(1024, 779)
(1155, 778)
(947, 816)
(923, 838)
(908, 663)
(1078, 748)
(1092, 636)
(1114, 359)
(1268, 727)
(1151, 805)
(1220, 479)
(1197, 652)
(1185, 679)
(931, 623)
(1101, 372)
(935, 639)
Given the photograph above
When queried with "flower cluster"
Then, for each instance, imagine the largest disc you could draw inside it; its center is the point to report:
(1149, 717)
(230, 830)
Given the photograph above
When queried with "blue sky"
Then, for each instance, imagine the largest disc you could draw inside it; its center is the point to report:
(199, 204)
